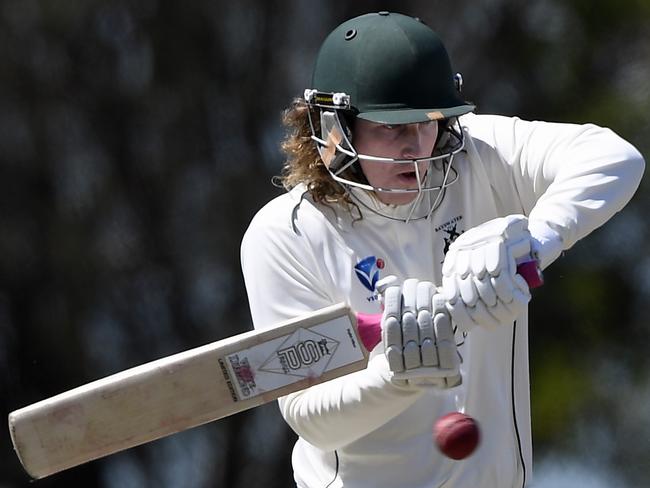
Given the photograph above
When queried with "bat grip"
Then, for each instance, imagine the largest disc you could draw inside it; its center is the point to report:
(369, 324)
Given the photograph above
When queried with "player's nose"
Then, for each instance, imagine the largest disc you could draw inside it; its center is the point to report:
(415, 141)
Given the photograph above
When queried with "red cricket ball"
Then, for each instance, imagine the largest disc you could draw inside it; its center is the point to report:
(457, 435)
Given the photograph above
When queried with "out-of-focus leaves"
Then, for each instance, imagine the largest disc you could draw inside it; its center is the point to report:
(560, 390)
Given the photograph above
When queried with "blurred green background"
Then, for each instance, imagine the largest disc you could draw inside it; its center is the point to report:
(138, 138)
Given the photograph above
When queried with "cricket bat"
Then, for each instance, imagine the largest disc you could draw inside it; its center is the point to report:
(194, 387)
(190, 388)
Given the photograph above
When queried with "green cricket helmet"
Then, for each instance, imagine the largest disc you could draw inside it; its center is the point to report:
(386, 68)
(394, 68)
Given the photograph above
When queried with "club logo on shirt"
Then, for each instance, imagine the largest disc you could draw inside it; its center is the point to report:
(367, 270)
(450, 232)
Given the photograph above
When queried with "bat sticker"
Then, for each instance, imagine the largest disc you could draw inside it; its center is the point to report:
(306, 353)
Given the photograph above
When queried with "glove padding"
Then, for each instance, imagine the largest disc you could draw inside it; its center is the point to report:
(417, 334)
(480, 279)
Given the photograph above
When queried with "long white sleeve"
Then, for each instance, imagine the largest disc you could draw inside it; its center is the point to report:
(338, 412)
(570, 179)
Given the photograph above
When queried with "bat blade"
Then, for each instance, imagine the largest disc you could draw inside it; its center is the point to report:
(185, 390)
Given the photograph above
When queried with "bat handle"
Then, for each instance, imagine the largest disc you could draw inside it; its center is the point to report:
(369, 324)
(530, 271)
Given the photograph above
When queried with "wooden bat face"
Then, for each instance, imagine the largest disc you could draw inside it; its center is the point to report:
(185, 390)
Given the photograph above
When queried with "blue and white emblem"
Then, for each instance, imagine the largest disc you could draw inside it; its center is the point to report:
(367, 271)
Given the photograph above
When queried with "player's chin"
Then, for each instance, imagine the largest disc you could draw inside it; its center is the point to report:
(397, 198)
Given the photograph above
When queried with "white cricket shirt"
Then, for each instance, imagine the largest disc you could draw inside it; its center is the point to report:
(363, 431)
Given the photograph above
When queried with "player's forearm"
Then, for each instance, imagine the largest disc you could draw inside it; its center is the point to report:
(595, 178)
(569, 178)
(336, 413)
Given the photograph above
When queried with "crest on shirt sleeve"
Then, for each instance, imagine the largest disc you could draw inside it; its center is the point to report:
(367, 271)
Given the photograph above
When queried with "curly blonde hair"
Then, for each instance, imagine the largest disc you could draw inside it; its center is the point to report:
(303, 162)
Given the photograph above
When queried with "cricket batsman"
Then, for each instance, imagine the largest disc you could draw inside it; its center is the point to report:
(401, 199)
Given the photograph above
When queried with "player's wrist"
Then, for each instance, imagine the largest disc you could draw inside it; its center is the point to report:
(546, 244)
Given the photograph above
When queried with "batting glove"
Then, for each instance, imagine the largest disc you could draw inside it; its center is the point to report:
(417, 334)
(480, 279)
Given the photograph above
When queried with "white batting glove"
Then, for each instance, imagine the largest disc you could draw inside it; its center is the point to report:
(417, 334)
(480, 279)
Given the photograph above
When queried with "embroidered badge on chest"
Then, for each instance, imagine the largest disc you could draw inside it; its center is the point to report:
(450, 231)
(367, 271)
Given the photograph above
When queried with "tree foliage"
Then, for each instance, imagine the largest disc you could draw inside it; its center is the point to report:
(137, 140)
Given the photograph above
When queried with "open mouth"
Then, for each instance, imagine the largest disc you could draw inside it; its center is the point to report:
(408, 177)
